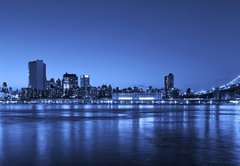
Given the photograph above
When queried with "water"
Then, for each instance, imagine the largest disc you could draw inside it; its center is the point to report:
(119, 135)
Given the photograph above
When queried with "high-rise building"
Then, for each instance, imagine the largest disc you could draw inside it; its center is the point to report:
(85, 86)
(59, 88)
(169, 82)
(169, 85)
(50, 88)
(50, 84)
(70, 84)
(85, 81)
(37, 75)
(4, 87)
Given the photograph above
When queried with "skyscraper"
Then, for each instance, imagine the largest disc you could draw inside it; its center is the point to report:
(59, 88)
(70, 84)
(169, 82)
(85, 81)
(37, 75)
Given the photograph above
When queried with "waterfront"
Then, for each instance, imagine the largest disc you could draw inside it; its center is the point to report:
(45, 134)
(189, 101)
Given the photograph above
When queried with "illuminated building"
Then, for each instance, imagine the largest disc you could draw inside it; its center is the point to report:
(85, 86)
(70, 85)
(50, 88)
(105, 91)
(137, 96)
(169, 85)
(58, 88)
(169, 82)
(85, 81)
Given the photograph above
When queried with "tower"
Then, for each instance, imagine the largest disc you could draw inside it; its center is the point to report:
(37, 75)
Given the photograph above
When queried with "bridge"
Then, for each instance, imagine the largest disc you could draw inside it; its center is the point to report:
(231, 90)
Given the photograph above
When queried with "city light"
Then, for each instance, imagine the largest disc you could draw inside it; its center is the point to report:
(70, 90)
(125, 98)
(146, 98)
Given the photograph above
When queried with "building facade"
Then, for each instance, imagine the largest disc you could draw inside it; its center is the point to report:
(137, 96)
(85, 81)
(37, 75)
(70, 85)
(169, 85)
(169, 82)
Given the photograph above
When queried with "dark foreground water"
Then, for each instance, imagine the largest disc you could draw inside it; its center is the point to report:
(119, 135)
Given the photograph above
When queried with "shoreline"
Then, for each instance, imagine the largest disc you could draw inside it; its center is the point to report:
(125, 102)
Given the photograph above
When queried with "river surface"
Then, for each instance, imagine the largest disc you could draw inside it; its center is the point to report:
(119, 135)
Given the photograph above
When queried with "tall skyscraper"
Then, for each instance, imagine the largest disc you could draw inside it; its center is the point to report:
(37, 75)
(169, 82)
(70, 84)
(85, 81)
(59, 88)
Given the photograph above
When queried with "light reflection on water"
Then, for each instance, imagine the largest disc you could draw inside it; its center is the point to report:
(119, 134)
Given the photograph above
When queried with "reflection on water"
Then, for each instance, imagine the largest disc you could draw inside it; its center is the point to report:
(119, 134)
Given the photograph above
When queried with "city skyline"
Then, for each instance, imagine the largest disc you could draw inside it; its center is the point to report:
(119, 82)
(80, 75)
(81, 90)
(123, 43)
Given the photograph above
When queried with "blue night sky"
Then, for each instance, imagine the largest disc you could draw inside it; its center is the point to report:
(122, 42)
